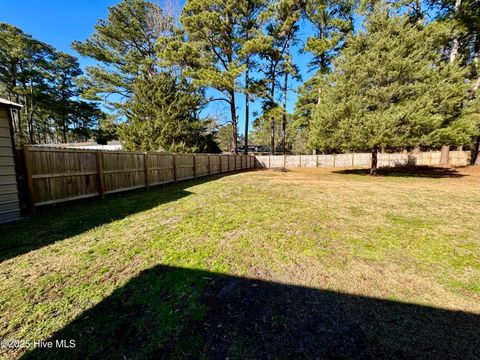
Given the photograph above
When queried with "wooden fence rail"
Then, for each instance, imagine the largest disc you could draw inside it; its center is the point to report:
(55, 175)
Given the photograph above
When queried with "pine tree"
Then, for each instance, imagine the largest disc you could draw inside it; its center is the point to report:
(124, 45)
(332, 21)
(282, 27)
(462, 17)
(66, 69)
(42, 79)
(162, 116)
(208, 50)
(224, 137)
(262, 131)
(390, 89)
(253, 42)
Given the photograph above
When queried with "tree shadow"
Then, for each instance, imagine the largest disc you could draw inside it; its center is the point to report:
(168, 312)
(55, 223)
(418, 171)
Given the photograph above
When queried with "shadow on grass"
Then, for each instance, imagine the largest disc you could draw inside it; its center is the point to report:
(169, 312)
(409, 171)
(59, 222)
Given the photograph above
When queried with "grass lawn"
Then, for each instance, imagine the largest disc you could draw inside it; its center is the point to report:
(262, 264)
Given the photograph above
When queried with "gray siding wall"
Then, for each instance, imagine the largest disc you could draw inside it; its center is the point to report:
(9, 203)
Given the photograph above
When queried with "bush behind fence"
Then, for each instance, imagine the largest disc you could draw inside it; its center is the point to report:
(54, 175)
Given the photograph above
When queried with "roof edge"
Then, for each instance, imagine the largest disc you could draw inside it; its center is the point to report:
(11, 104)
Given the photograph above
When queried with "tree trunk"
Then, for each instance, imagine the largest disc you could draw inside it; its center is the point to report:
(455, 43)
(272, 118)
(476, 55)
(272, 135)
(20, 130)
(445, 155)
(374, 165)
(476, 153)
(476, 86)
(64, 129)
(444, 159)
(30, 123)
(247, 102)
(284, 116)
(233, 112)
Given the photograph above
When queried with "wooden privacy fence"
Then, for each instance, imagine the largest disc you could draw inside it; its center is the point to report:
(457, 158)
(56, 175)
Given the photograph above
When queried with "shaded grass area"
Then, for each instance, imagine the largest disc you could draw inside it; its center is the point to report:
(168, 312)
(199, 269)
(410, 171)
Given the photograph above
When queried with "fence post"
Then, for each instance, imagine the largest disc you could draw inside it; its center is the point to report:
(194, 166)
(145, 169)
(100, 176)
(220, 170)
(175, 167)
(209, 165)
(316, 160)
(334, 160)
(28, 172)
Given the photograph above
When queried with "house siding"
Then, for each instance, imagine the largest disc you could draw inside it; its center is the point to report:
(9, 200)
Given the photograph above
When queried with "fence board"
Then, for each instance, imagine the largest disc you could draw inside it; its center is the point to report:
(160, 168)
(184, 167)
(202, 164)
(215, 164)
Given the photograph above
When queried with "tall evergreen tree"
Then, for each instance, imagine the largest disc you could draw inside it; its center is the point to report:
(162, 116)
(66, 69)
(332, 21)
(282, 27)
(208, 51)
(390, 89)
(40, 78)
(462, 17)
(224, 137)
(253, 42)
(262, 132)
(124, 46)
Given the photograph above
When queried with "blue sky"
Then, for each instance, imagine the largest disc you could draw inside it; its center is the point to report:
(59, 22)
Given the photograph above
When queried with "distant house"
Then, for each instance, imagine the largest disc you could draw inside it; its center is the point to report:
(111, 145)
(9, 197)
